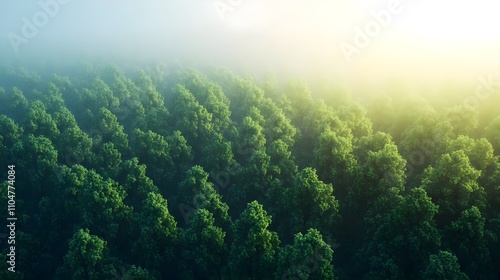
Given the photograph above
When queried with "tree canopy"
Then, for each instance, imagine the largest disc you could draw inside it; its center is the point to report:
(160, 174)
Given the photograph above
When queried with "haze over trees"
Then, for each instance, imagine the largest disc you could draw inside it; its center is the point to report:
(181, 174)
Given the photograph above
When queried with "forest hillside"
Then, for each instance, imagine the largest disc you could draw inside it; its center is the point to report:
(185, 174)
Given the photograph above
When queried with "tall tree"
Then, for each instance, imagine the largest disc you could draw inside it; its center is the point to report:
(491, 133)
(155, 246)
(211, 97)
(40, 123)
(11, 133)
(108, 129)
(466, 238)
(309, 203)
(406, 234)
(192, 119)
(153, 150)
(451, 184)
(254, 248)
(203, 248)
(309, 257)
(87, 258)
(195, 191)
(443, 265)
(102, 207)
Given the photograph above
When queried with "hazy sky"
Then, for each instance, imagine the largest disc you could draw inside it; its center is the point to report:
(345, 39)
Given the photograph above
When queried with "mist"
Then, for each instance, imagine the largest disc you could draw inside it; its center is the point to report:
(345, 41)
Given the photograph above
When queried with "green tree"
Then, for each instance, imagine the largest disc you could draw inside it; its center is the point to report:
(406, 234)
(135, 182)
(443, 266)
(318, 122)
(195, 191)
(156, 116)
(102, 207)
(282, 167)
(276, 125)
(354, 115)
(203, 248)
(107, 160)
(216, 145)
(479, 152)
(333, 158)
(40, 123)
(75, 147)
(37, 157)
(243, 94)
(17, 104)
(211, 97)
(159, 235)
(282, 163)
(491, 133)
(87, 258)
(51, 97)
(181, 154)
(11, 133)
(377, 172)
(423, 142)
(153, 150)
(466, 238)
(108, 129)
(309, 203)
(254, 248)
(250, 139)
(138, 273)
(464, 119)
(309, 257)
(451, 184)
(193, 119)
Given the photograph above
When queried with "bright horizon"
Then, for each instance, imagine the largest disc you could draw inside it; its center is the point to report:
(422, 40)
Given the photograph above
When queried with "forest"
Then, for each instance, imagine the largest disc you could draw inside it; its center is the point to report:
(157, 173)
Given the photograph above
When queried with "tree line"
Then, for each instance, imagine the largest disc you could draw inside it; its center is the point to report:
(165, 173)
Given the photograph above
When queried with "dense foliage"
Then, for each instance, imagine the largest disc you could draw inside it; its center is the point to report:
(154, 174)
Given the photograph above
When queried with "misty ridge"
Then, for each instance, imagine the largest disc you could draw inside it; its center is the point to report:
(237, 139)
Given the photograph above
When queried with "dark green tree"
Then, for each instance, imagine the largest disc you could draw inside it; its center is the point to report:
(443, 266)
(196, 192)
(466, 238)
(491, 133)
(153, 150)
(451, 184)
(309, 257)
(87, 258)
(254, 248)
(309, 203)
(40, 123)
(155, 247)
(203, 249)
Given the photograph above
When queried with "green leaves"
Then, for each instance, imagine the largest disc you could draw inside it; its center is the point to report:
(87, 257)
(203, 247)
(254, 248)
(93, 179)
(309, 203)
(309, 257)
(159, 234)
(103, 208)
(442, 266)
(451, 184)
(40, 123)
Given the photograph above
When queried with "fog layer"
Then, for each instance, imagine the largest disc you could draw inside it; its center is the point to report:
(345, 40)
